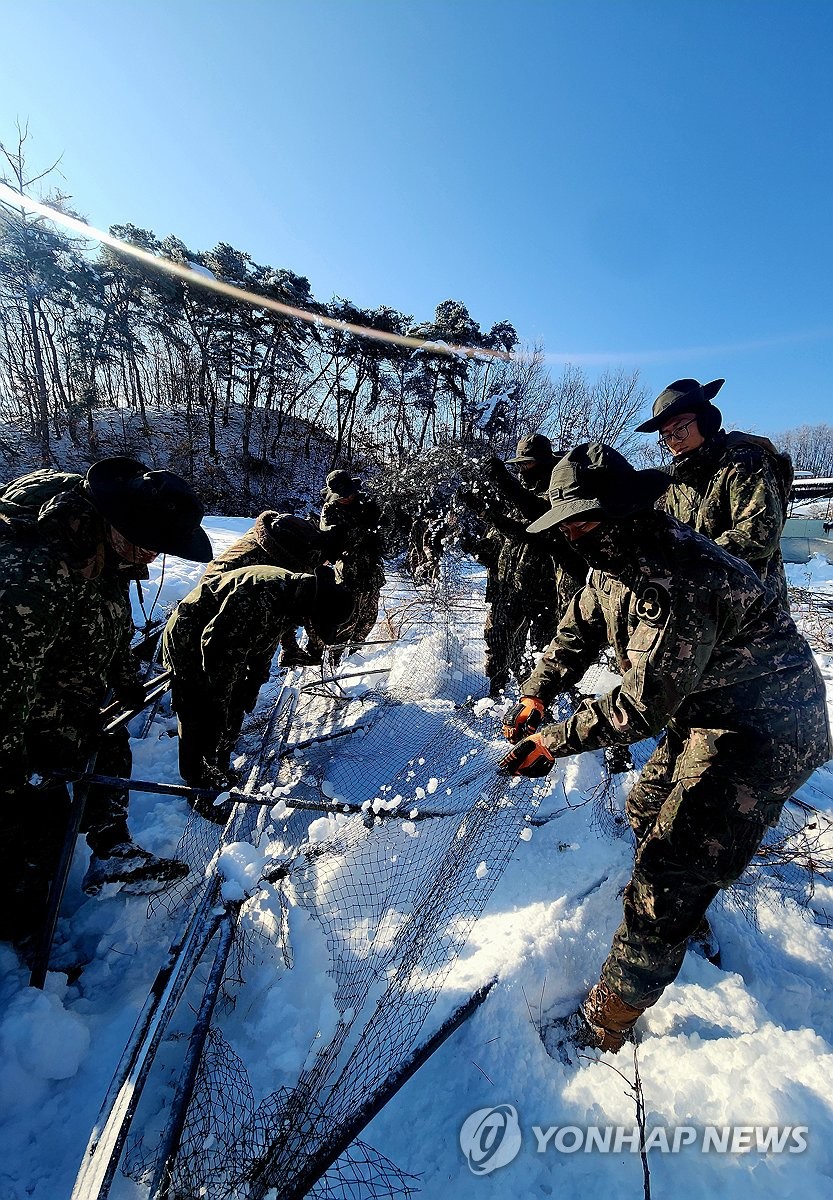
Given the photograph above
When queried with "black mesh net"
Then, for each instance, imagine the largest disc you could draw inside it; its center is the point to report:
(386, 822)
(383, 820)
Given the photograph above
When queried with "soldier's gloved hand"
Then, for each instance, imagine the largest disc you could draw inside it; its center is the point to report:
(523, 718)
(473, 500)
(496, 469)
(130, 694)
(530, 757)
(254, 677)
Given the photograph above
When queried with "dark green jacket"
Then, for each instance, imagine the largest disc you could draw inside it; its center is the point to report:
(543, 567)
(357, 529)
(223, 635)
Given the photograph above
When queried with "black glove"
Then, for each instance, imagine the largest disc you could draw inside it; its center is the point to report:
(496, 469)
(530, 757)
(131, 694)
(474, 500)
(523, 718)
(255, 674)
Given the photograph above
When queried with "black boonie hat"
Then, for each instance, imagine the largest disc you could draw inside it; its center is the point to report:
(342, 483)
(534, 448)
(683, 395)
(155, 510)
(594, 478)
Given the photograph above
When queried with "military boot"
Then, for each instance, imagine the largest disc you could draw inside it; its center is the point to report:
(609, 1018)
(294, 656)
(211, 775)
(137, 870)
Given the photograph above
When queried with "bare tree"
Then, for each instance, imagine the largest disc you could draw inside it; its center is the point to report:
(810, 447)
(29, 250)
(606, 409)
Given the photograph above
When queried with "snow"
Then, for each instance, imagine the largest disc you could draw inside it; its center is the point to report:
(40, 1040)
(199, 269)
(241, 867)
(816, 572)
(749, 1044)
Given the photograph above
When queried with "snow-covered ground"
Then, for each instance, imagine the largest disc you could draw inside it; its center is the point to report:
(748, 1045)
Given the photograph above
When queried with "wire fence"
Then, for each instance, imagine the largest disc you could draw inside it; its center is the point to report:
(409, 833)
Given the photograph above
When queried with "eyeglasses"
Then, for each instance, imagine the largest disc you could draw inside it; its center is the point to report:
(678, 434)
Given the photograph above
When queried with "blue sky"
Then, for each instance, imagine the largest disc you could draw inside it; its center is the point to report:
(638, 182)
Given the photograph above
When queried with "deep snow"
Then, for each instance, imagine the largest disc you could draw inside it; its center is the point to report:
(746, 1044)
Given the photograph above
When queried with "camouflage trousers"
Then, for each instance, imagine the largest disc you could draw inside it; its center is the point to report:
(509, 622)
(699, 812)
(33, 823)
(210, 714)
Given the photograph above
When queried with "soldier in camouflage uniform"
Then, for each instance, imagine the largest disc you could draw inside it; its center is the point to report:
(353, 520)
(732, 487)
(219, 644)
(704, 652)
(280, 540)
(69, 547)
(536, 577)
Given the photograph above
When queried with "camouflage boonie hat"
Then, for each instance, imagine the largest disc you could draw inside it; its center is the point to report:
(594, 478)
(342, 483)
(534, 448)
(683, 395)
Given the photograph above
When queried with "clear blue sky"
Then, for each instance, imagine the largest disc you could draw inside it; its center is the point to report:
(637, 182)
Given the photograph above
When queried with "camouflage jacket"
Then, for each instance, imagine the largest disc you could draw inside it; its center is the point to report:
(730, 490)
(260, 546)
(356, 530)
(699, 644)
(65, 615)
(543, 566)
(230, 626)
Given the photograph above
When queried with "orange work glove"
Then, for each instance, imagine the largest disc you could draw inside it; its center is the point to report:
(523, 718)
(530, 757)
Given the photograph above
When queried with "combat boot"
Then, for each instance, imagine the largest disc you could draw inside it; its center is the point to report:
(294, 656)
(137, 870)
(211, 775)
(609, 1018)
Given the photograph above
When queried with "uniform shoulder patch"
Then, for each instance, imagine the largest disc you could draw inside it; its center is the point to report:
(653, 603)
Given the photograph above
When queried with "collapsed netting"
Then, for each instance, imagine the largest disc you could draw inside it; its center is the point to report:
(223, 1113)
(404, 607)
(396, 897)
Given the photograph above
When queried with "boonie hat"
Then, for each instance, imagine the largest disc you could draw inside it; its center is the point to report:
(342, 483)
(683, 395)
(596, 478)
(533, 448)
(156, 510)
